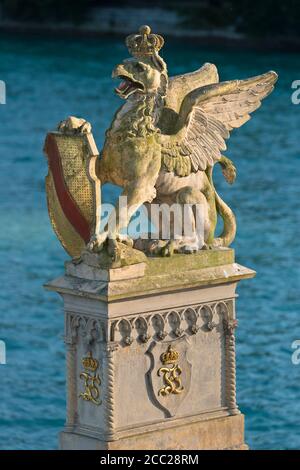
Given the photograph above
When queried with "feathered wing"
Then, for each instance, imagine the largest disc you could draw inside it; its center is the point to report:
(206, 117)
(178, 88)
(180, 85)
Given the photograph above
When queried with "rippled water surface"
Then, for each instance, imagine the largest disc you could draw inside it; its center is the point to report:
(48, 80)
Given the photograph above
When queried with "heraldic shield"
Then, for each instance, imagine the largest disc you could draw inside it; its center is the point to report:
(73, 190)
(169, 374)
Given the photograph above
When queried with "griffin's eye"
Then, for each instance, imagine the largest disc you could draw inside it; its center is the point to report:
(140, 67)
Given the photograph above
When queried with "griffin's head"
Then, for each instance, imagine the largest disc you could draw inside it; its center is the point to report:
(146, 73)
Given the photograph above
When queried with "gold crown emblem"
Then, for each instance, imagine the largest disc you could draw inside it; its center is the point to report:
(170, 356)
(90, 363)
(145, 43)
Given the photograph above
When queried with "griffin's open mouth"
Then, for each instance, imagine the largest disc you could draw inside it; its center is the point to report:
(127, 86)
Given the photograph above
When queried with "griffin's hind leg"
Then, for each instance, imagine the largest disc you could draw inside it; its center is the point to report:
(196, 223)
(184, 224)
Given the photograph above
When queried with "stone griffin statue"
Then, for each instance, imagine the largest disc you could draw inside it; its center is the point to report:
(161, 148)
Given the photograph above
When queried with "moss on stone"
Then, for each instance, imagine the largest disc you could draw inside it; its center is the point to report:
(184, 262)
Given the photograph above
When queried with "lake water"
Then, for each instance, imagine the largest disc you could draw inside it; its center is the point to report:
(47, 80)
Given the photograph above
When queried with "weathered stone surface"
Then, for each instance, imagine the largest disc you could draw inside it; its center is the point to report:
(93, 273)
(212, 434)
(126, 337)
(207, 267)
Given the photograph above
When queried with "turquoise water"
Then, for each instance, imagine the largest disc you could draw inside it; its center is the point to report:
(47, 80)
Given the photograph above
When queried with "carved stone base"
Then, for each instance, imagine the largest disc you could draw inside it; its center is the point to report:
(212, 434)
(151, 353)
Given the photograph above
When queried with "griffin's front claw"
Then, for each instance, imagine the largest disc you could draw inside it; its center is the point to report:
(113, 249)
(91, 244)
(114, 246)
(96, 242)
(124, 239)
(168, 250)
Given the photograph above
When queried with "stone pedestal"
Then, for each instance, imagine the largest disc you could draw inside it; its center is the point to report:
(151, 353)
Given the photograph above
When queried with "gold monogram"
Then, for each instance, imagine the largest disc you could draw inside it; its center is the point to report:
(91, 381)
(171, 375)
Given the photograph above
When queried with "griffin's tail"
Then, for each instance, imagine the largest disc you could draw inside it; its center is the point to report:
(229, 228)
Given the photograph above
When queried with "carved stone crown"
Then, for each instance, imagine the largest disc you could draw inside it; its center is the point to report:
(170, 356)
(90, 363)
(145, 43)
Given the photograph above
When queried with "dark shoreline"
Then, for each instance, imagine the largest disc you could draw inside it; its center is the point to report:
(238, 42)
